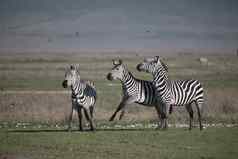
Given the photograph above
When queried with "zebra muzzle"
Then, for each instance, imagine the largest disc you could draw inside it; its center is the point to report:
(138, 67)
(109, 76)
(64, 84)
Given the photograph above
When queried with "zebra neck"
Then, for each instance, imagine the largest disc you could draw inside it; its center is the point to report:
(127, 80)
(159, 74)
(161, 79)
(77, 89)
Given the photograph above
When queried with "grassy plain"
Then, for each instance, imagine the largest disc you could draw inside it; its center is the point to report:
(31, 93)
(212, 143)
(44, 99)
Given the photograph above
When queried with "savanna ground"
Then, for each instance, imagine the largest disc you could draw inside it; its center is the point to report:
(34, 109)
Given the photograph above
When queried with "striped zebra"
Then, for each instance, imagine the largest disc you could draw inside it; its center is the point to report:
(134, 90)
(83, 96)
(173, 93)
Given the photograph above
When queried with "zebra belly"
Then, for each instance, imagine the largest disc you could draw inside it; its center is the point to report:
(146, 104)
(145, 100)
(181, 101)
(182, 97)
(146, 95)
(86, 103)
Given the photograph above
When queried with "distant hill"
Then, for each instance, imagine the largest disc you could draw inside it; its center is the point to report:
(49, 25)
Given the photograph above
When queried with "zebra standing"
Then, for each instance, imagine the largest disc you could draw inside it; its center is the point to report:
(83, 96)
(134, 90)
(173, 93)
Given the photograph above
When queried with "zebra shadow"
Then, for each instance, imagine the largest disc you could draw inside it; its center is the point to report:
(37, 130)
(77, 131)
(125, 129)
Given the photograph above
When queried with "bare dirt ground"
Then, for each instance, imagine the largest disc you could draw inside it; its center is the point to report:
(31, 86)
(10, 156)
(54, 106)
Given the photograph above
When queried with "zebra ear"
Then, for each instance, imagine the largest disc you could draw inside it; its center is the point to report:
(114, 62)
(120, 61)
(77, 66)
(164, 65)
(72, 67)
(157, 59)
(148, 59)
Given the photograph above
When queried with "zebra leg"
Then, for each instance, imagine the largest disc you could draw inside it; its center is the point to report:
(89, 119)
(190, 111)
(162, 115)
(122, 113)
(91, 109)
(163, 122)
(165, 110)
(70, 120)
(159, 117)
(125, 101)
(71, 116)
(199, 108)
(121, 105)
(170, 109)
(79, 109)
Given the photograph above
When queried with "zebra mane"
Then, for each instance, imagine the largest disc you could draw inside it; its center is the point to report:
(74, 67)
(129, 72)
(90, 83)
(119, 62)
(116, 62)
(165, 66)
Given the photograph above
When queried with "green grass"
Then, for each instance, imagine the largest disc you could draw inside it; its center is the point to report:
(46, 72)
(40, 71)
(212, 143)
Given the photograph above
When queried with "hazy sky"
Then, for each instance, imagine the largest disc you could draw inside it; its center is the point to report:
(51, 25)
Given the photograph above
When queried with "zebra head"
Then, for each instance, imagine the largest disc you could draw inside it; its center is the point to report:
(117, 71)
(152, 65)
(71, 76)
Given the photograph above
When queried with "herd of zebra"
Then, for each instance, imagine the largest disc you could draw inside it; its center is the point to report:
(161, 93)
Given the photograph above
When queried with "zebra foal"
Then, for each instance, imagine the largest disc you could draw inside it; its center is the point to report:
(173, 93)
(83, 96)
(134, 90)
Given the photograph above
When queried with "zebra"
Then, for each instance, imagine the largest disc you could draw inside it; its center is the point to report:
(134, 90)
(173, 93)
(83, 96)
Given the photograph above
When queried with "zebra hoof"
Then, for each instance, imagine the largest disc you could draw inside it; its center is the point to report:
(158, 128)
(111, 119)
(170, 109)
(92, 129)
(164, 128)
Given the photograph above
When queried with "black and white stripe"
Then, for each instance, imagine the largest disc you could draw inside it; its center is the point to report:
(83, 95)
(173, 93)
(134, 90)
